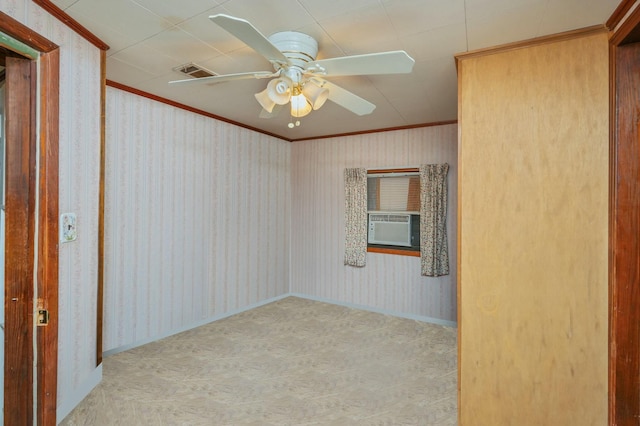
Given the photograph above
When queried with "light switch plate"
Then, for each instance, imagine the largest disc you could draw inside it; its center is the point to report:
(68, 231)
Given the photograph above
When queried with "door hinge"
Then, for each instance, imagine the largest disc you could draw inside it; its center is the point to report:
(43, 317)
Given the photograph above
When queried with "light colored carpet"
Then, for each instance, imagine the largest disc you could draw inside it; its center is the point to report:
(291, 362)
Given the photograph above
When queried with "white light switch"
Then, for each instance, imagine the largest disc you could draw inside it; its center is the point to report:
(68, 231)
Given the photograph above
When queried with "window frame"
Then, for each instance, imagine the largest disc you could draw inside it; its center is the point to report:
(396, 250)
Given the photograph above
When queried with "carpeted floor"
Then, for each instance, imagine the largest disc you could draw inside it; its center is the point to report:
(291, 362)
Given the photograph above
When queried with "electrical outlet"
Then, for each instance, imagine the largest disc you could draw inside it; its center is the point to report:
(68, 231)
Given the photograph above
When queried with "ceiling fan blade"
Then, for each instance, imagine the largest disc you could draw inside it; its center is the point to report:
(394, 62)
(227, 77)
(244, 31)
(346, 99)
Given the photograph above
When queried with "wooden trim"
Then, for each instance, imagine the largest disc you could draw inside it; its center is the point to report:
(101, 195)
(624, 290)
(25, 34)
(405, 170)
(613, 161)
(618, 15)
(187, 107)
(624, 30)
(459, 243)
(624, 362)
(393, 251)
(554, 38)
(387, 129)
(624, 23)
(72, 23)
(47, 279)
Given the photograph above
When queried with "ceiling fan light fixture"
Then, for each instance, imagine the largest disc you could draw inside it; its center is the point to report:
(300, 105)
(316, 95)
(279, 91)
(265, 100)
(299, 48)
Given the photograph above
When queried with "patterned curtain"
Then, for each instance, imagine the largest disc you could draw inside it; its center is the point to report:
(355, 194)
(434, 251)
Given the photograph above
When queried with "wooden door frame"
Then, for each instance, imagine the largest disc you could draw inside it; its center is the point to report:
(624, 250)
(45, 135)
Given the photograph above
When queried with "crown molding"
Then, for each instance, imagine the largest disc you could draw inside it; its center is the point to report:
(63, 17)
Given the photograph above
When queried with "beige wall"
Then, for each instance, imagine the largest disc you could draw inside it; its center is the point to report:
(533, 163)
(388, 282)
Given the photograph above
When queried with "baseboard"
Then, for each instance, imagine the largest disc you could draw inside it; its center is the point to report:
(192, 325)
(79, 394)
(380, 311)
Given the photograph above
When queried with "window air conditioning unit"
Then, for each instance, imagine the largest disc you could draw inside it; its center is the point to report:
(392, 229)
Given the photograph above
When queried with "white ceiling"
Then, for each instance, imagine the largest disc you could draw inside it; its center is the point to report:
(148, 38)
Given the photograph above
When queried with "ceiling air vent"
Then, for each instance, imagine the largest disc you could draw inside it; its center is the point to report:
(195, 71)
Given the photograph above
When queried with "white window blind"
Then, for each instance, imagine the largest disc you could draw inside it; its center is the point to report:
(393, 193)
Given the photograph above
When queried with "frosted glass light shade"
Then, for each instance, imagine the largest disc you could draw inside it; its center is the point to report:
(265, 100)
(279, 90)
(316, 95)
(300, 106)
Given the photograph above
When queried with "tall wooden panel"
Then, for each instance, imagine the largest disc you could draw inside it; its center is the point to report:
(19, 243)
(533, 200)
(625, 294)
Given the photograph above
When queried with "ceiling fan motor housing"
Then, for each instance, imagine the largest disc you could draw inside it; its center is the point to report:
(299, 48)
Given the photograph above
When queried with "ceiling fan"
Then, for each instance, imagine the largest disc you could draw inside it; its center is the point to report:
(298, 78)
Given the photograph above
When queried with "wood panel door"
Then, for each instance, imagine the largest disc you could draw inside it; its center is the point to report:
(29, 168)
(19, 241)
(625, 241)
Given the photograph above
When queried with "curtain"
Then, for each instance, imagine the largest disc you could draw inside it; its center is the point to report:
(355, 193)
(434, 252)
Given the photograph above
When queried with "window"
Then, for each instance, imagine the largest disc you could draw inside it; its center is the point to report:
(393, 211)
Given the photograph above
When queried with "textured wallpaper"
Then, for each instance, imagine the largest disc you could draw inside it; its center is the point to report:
(197, 219)
(388, 282)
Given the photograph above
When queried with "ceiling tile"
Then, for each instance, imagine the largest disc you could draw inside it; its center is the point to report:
(362, 30)
(115, 39)
(480, 10)
(573, 14)
(270, 17)
(181, 46)
(63, 4)
(123, 16)
(412, 16)
(323, 10)
(437, 43)
(152, 61)
(177, 11)
(504, 26)
(125, 73)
